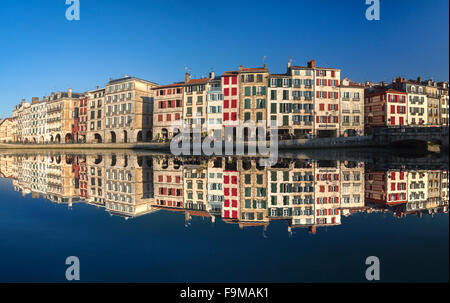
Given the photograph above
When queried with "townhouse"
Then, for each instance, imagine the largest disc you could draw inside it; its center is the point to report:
(60, 109)
(167, 110)
(326, 103)
(93, 116)
(327, 193)
(417, 100)
(444, 104)
(433, 103)
(253, 97)
(194, 102)
(231, 99)
(214, 108)
(129, 110)
(6, 130)
(351, 109)
(303, 101)
(385, 106)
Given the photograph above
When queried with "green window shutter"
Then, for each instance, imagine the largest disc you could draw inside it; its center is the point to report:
(247, 91)
(273, 200)
(290, 212)
(254, 203)
(285, 120)
(248, 191)
(273, 108)
(290, 82)
(247, 103)
(263, 103)
(279, 212)
(285, 176)
(254, 90)
(264, 91)
(264, 204)
(248, 203)
(274, 187)
(279, 83)
(246, 116)
(273, 175)
(248, 179)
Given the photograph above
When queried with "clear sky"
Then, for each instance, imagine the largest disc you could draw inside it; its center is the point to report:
(41, 52)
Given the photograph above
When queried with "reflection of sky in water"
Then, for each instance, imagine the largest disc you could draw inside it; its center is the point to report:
(166, 244)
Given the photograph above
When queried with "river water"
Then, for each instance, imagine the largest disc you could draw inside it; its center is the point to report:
(315, 216)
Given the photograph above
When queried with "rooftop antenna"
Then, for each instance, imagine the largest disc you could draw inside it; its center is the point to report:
(187, 69)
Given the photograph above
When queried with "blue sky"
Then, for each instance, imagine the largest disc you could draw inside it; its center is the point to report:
(41, 52)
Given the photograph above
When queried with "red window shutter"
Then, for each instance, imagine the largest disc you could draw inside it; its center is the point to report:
(226, 213)
(317, 121)
(329, 106)
(234, 80)
(317, 82)
(226, 203)
(226, 179)
(329, 82)
(226, 80)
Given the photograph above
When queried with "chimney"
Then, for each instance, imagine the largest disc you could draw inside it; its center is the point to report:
(289, 64)
(241, 67)
(419, 79)
(34, 100)
(44, 98)
(69, 93)
(23, 101)
(264, 65)
(187, 77)
(98, 87)
(312, 63)
(212, 75)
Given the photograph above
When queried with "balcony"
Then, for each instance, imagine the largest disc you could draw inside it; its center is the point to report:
(346, 111)
(345, 99)
(356, 99)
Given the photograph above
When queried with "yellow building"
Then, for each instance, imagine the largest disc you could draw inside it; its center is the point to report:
(6, 130)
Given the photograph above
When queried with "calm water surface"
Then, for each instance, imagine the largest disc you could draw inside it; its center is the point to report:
(134, 217)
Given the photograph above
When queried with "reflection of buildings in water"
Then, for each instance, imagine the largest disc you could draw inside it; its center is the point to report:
(128, 185)
(408, 191)
(168, 182)
(304, 193)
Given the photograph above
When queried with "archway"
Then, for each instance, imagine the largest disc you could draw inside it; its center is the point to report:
(58, 138)
(139, 136)
(113, 137)
(52, 139)
(125, 136)
(68, 138)
(97, 138)
(148, 136)
(41, 139)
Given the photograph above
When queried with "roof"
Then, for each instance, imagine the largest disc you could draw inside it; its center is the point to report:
(382, 90)
(253, 69)
(177, 84)
(6, 119)
(198, 81)
(127, 78)
(306, 67)
(230, 73)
